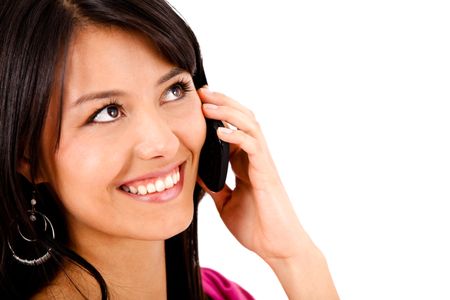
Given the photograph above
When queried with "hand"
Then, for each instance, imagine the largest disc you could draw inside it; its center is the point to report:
(258, 211)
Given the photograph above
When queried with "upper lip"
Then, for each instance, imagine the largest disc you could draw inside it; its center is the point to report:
(158, 173)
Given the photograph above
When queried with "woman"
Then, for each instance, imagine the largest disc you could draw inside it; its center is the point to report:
(103, 107)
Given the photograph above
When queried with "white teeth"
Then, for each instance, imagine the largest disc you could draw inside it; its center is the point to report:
(174, 178)
(168, 182)
(142, 190)
(133, 190)
(159, 184)
(151, 188)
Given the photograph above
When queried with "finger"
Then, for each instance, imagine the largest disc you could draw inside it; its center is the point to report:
(220, 198)
(235, 117)
(245, 142)
(209, 96)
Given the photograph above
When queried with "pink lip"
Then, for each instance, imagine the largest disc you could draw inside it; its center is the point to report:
(163, 196)
(154, 174)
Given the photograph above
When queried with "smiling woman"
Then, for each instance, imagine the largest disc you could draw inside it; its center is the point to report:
(122, 148)
(103, 120)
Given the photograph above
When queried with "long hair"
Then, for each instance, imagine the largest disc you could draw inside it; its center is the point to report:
(34, 38)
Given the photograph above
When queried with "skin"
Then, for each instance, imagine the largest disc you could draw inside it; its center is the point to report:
(107, 225)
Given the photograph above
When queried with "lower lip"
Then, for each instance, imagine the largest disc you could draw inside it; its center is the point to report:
(163, 196)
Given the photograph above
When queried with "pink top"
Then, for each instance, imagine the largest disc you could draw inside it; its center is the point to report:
(218, 287)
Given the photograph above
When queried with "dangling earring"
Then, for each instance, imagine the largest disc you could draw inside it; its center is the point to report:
(34, 215)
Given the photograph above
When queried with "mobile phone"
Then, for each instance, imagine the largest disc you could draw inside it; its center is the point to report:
(214, 158)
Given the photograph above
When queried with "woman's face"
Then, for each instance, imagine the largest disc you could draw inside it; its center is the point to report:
(131, 134)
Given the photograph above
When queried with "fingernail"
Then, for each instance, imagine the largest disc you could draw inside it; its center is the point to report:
(225, 130)
(210, 106)
(206, 90)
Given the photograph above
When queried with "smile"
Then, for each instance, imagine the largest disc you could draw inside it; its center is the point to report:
(153, 185)
(157, 188)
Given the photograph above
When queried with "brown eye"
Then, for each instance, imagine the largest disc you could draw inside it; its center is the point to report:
(112, 111)
(177, 91)
(174, 93)
(108, 114)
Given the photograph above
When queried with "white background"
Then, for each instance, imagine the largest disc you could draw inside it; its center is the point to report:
(353, 97)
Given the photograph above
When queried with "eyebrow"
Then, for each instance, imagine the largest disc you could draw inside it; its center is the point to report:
(117, 93)
(172, 73)
(98, 96)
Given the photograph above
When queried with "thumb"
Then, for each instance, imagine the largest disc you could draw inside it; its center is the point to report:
(220, 198)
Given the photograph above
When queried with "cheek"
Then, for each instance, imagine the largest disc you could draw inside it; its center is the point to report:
(86, 164)
(86, 169)
(191, 130)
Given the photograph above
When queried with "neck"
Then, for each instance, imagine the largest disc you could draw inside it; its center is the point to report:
(138, 270)
(132, 269)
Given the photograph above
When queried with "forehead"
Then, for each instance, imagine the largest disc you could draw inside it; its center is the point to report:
(109, 57)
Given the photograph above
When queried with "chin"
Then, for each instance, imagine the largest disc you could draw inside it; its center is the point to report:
(177, 222)
(182, 227)
(180, 224)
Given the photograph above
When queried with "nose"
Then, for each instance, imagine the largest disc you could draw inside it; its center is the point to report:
(155, 139)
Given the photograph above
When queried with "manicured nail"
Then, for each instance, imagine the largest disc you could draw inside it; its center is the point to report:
(226, 130)
(210, 106)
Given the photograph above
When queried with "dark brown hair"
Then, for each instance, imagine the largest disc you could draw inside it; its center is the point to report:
(34, 38)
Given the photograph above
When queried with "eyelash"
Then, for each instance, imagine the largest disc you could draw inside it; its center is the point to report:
(182, 83)
(112, 102)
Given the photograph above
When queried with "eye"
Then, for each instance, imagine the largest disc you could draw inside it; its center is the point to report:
(176, 91)
(107, 114)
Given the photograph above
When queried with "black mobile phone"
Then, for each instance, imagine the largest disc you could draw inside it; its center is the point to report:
(214, 158)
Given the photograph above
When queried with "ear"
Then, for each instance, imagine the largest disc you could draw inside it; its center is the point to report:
(24, 168)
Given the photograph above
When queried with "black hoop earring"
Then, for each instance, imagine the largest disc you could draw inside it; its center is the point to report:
(34, 214)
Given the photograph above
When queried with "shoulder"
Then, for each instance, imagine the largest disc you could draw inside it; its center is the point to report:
(216, 286)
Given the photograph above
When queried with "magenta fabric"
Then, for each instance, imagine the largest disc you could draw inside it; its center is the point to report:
(218, 287)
